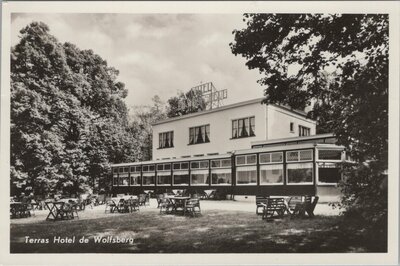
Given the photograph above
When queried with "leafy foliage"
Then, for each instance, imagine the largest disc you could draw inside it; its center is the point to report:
(186, 103)
(143, 118)
(338, 63)
(68, 117)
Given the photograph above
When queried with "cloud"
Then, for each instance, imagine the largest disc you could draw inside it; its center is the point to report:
(158, 53)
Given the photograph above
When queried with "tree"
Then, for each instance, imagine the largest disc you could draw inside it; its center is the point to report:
(186, 103)
(295, 51)
(143, 118)
(68, 117)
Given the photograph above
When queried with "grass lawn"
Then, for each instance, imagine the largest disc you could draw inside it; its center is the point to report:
(216, 231)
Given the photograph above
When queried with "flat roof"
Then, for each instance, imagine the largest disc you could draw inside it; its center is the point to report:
(291, 139)
(192, 158)
(237, 152)
(230, 106)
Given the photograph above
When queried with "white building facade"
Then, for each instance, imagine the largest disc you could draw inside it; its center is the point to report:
(227, 129)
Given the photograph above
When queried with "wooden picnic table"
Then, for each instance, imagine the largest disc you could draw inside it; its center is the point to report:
(61, 209)
(55, 210)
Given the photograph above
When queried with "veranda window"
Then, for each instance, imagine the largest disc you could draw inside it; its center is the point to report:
(221, 176)
(123, 180)
(181, 178)
(329, 173)
(300, 173)
(271, 174)
(149, 179)
(164, 178)
(246, 175)
(199, 177)
(135, 179)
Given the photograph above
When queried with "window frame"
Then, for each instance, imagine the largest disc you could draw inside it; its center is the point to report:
(270, 156)
(251, 127)
(186, 172)
(204, 171)
(327, 183)
(317, 159)
(304, 131)
(135, 175)
(302, 183)
(207, 134)
(214, 170)
(246, 163)
(298, 156)
(162, 137)
(121, 178)
(168, 173)
(272, 164)
(246, 166)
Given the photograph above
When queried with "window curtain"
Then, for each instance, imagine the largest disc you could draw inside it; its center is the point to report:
(166, 140)
(199, 134)
(244, 128)
(171, 140)
(207, 133)
(234, 129)
(251, 127)
(191, 136)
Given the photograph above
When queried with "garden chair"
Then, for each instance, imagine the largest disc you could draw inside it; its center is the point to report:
(111, 206)
(275, 208)
(166, 206)
(192, 206)
(260, 202)
(307, 206)
(71, 209)
(122, 206)
(133, 204)
(159, 197)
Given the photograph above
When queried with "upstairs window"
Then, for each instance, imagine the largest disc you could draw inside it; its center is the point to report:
(304, 131)
(166, 140)
(244, 127)
(291, 127)
(199, 134)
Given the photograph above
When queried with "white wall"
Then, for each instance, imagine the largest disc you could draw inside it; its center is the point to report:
(220, 132)
(276, 126)
(279, 121)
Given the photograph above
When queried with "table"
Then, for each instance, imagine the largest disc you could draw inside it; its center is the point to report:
(126, 203)
(56, 210)
(178, 202)
(209, 192)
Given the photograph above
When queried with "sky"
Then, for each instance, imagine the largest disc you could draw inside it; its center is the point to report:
(158, 54)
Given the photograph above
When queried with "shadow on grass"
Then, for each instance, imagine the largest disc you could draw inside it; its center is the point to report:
(213, 232)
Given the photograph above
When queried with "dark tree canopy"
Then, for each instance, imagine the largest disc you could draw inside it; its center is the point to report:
(68, 117)
(336, 63)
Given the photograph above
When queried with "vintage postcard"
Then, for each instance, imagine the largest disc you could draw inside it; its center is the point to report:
(200, 133)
